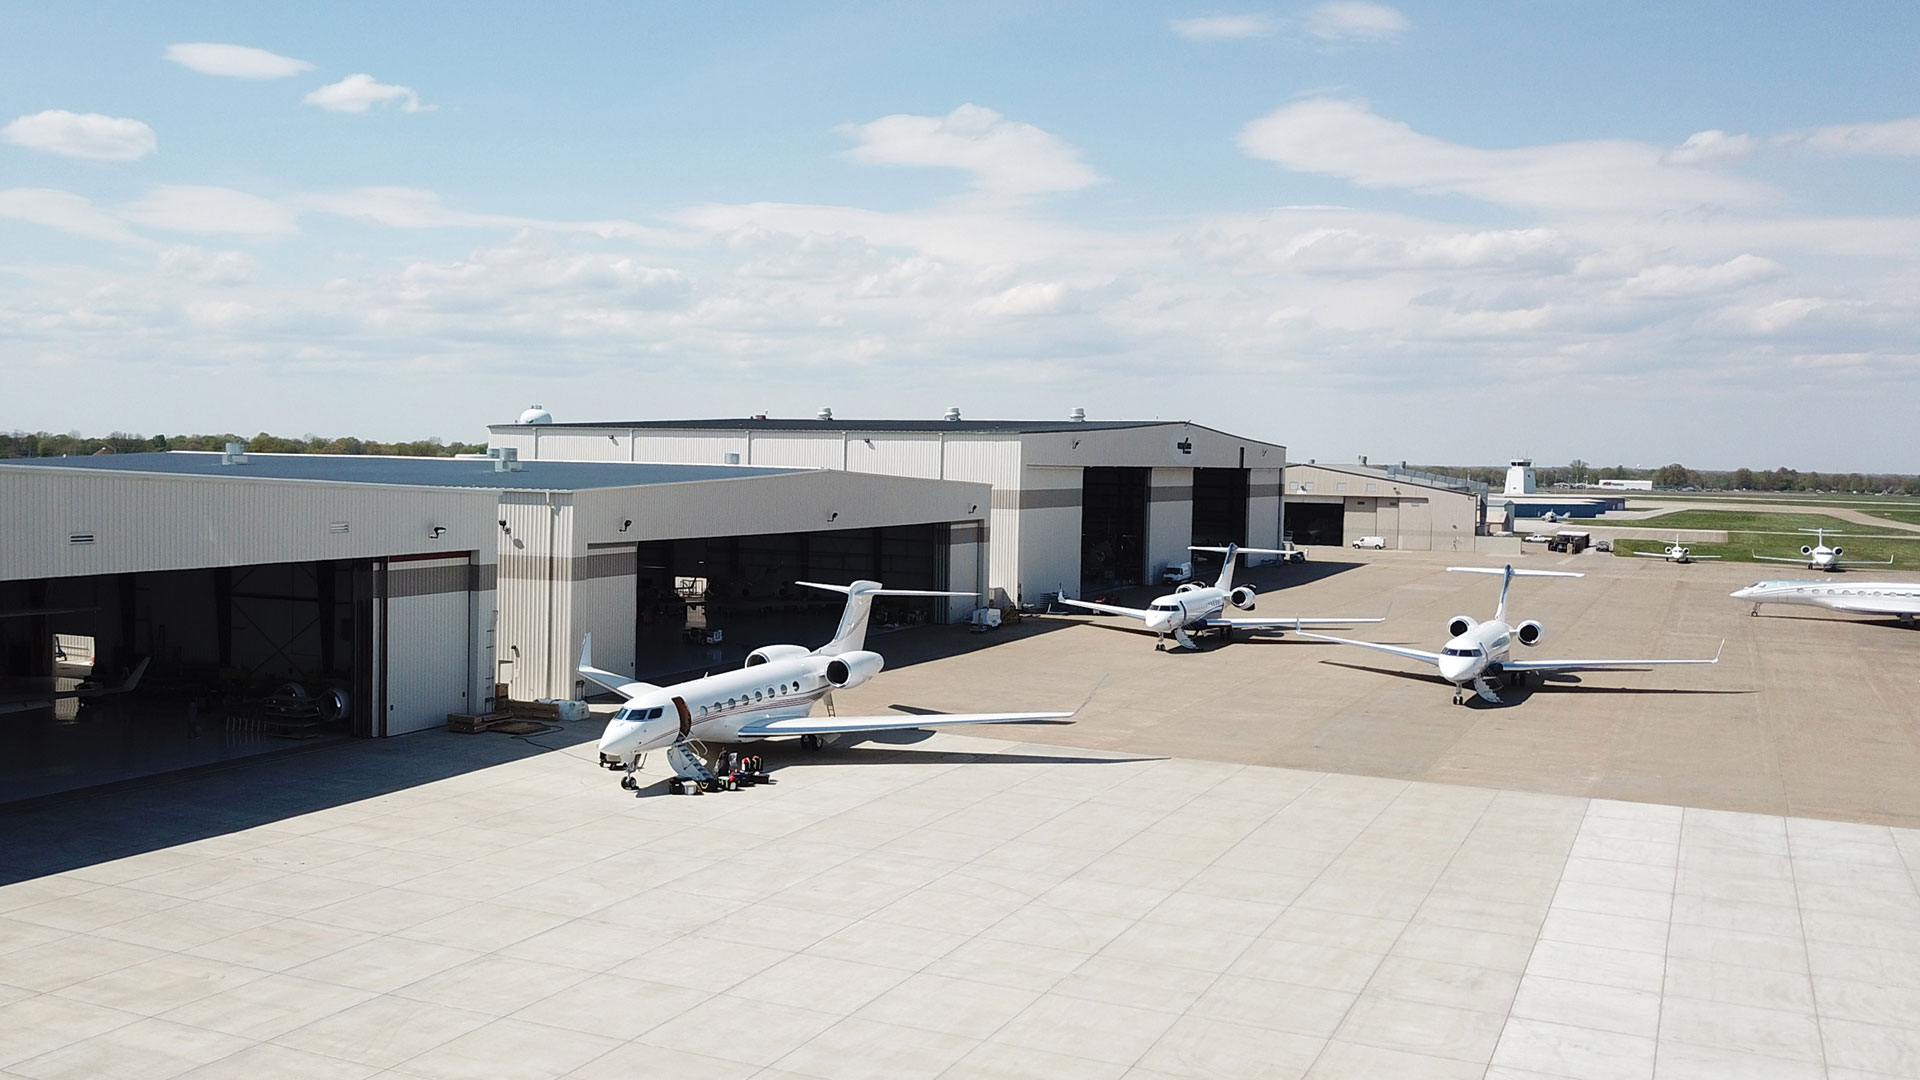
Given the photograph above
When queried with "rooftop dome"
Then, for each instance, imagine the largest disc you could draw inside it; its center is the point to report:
(536, 415)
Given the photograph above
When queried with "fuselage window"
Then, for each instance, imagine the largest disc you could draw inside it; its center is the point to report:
(756, 695)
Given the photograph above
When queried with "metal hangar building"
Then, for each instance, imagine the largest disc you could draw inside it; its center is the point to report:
(405, 589)
(1075, 503)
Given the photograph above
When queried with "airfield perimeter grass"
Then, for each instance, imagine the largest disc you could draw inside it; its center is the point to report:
(1911, 517)
(1872, 504)
(1743, 546)
(1756, 521)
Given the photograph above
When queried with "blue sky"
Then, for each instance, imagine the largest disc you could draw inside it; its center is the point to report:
(1447, 233)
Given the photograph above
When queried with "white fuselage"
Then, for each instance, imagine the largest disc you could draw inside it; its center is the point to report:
(718, 706)
(1895, 597)
(1466, 657)
(1181, 609)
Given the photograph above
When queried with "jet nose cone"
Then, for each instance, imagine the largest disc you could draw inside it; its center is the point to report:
(618, 736)
(1456, 669)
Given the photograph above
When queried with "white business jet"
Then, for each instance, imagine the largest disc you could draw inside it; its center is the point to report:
(1198, 607)
(770, 697)
(1900, 599)
(1675, 552)
(1478, 654)
(44, 699)
(1821, 557)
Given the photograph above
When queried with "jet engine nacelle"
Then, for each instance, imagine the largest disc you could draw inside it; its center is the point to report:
(1805, 550)
(854, 668)
(766, 654)
(1839, 551)
(1529, 632)
(1460, 624)
(1242, 598)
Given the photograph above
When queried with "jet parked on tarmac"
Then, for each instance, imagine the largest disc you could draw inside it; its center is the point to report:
(1195, 607)
(771, 697)
(1479, 654)
(1901, 599)
(1821, 557)
(1675, 552)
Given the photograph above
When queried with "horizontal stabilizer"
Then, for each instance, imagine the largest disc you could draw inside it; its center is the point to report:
(1241, 550)
(1499, 570)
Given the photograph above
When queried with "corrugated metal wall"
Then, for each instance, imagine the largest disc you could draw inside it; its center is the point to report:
(1169, 519)
(428, 642)
(897, 455)
(827, 451)
(536, 598)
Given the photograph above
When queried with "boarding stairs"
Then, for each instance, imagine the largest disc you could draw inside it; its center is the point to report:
(686, 758)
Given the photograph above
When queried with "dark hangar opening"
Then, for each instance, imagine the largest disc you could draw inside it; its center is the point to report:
(1113, 526)
(1317, 523)
(1220, 506)
(743, 587)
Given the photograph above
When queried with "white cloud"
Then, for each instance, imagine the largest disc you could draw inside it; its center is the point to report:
(1026, 298)
(82, 135)
(235, 61)
(65, 211)
(358, 93)
(207, 267)
(1711, 148)
(211, 210)
(1223, 27)
(1347, 139)
(1355, 20)
(414, 208)
(1690, 281)
(1006, 157)
(1895, 138)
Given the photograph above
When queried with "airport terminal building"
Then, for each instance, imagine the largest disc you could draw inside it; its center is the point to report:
(1071, 501)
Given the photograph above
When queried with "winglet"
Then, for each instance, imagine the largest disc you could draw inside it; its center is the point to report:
(1718, 651)
(133, 679)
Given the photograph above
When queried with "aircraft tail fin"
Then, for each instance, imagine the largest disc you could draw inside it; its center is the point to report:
(1506, 582)
(595, 675)
(851, 636)
(1229, 563)
(133, 679)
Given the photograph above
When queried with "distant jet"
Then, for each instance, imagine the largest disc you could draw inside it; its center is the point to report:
(1477, 654)
(1822, 557)
(1675, 552)
(1195, 607)
(772, 696)
(1901, 599)
(29, 701)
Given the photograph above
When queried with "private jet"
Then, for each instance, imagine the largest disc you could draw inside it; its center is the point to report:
(1675, 552)
(44, 699)
(1821, 557)
(1901, 599)
(1478, 654)
(1195, 607)
(770, 697)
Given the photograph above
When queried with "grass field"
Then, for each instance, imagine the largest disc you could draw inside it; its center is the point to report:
(1872, 504)
(1911, 517)
(1742, 546)
(1758, 521)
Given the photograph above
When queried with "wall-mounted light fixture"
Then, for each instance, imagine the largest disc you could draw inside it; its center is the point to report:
(974, 507)
(436, 532)
(625, 525)
(503, 527)
(833, 515)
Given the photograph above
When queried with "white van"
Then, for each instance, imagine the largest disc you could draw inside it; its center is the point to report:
(1379, 542)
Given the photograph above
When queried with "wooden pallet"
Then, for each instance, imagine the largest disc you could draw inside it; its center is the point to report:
(474, 723)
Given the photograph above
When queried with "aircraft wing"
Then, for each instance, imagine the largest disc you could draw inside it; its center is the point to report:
(1864, 562)
(1280, 624)
(1397, 650)
(1802, 560)
(845, 725)
(619, 684)
(1110, 609)
(29, 702)
(1693, 556)
(1598, 665)
(1656, 554)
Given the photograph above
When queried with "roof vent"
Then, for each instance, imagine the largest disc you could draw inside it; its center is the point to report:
(1078, 415)
(1363, 459)
(505, 458)
(953, 414)
(536, 414)
(236, 454)
(824, 413)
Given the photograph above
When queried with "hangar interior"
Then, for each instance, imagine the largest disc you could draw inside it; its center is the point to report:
(743, 587)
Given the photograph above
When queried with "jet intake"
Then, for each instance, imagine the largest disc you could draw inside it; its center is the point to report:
(1460, 624)
(1805, 550)
(853, 668)
(1839, 551)
(1242, 598)
(766, 654)
(1529, 632)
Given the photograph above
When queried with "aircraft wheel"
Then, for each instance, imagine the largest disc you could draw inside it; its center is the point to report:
(628, 783)
(810, 742)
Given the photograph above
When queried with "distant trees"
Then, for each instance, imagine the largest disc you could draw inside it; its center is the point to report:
(1677, 475)
(73, 444)
(1672, 476)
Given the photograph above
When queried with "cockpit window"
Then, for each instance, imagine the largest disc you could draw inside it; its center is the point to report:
(1163, 605)
(1451, 651)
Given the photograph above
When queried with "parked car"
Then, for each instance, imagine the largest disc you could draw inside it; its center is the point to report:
(1603, 545)
(1378, 542)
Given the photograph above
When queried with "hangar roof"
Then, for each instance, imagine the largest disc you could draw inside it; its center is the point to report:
(1002, 427)
(405, 471)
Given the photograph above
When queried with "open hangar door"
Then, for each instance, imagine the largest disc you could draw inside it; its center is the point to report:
(1317, 522)
(1113, 525)
(240, 661)
(1220, 506)
(742, 589)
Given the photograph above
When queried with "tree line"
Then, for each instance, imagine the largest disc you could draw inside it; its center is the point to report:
(73, 444)
(1678, 477)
